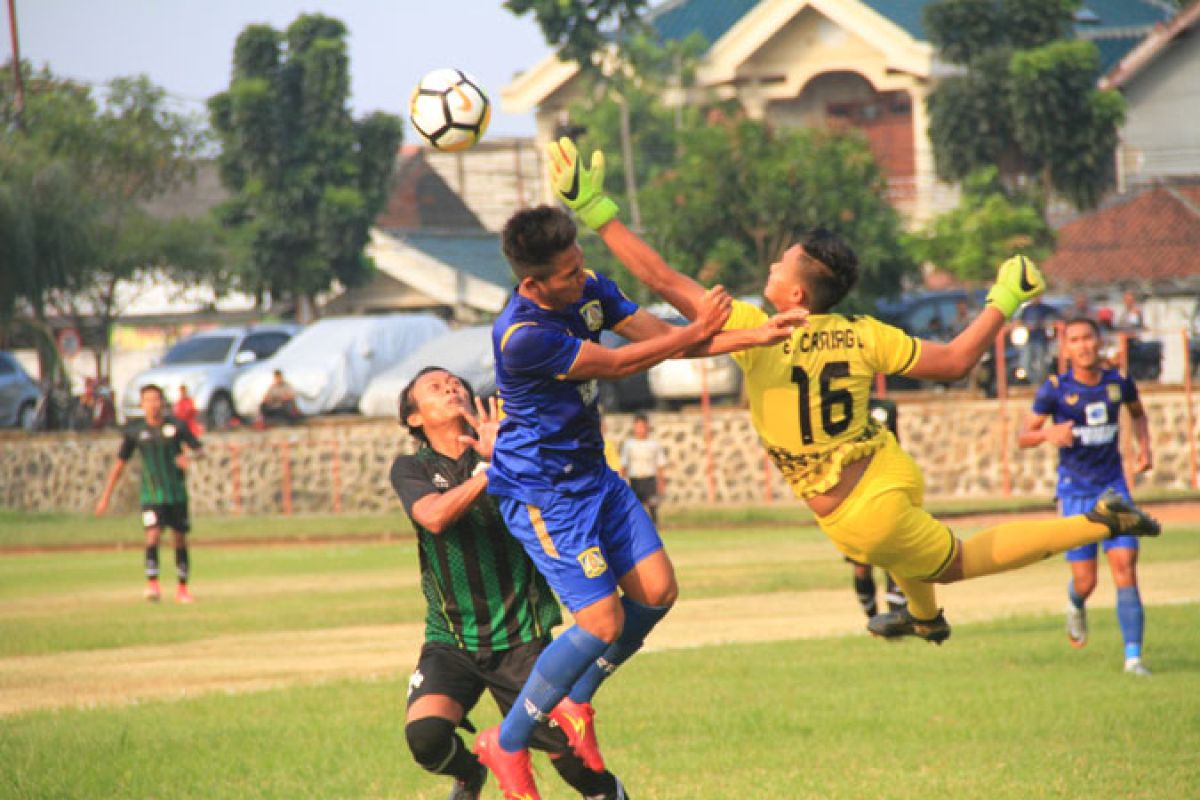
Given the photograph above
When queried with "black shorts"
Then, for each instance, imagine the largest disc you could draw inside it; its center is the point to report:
(168, 515)
(646, 489)
(463, 675)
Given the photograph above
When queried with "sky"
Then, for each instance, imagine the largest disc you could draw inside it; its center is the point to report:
(186, 46)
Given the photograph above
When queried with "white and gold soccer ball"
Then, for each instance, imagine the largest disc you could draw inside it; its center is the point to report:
(449, 109)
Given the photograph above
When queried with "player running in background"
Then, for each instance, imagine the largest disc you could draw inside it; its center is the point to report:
(580, 523)
(160, 440)
(809, 398)
(1085, 406)
(489, 613)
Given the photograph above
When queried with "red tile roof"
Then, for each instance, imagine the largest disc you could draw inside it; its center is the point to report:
(1153, 236)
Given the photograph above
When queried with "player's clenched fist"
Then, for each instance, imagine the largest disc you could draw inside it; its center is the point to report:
(580, 188)
(1019, 280)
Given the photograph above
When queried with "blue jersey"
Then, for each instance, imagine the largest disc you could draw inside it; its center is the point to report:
(549, 441)
(1093, 462)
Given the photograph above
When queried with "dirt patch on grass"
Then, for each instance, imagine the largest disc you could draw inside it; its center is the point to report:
(256, 662)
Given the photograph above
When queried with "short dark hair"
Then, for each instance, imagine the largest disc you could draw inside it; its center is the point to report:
(533, 237)
(407, 405)
(1095, 326)
(830, 271)
(151, 387)
(640, 417)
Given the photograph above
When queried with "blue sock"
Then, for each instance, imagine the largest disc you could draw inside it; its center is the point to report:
(639, 621)
(1132, 619)
(1073, 596)
(556, 669)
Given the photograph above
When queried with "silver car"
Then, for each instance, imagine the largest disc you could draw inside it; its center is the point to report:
(207, 364)
(18, 394)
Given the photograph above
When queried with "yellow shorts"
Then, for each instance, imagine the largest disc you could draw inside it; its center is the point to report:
(882, 521)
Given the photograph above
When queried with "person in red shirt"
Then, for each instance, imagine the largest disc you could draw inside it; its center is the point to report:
(185, 411)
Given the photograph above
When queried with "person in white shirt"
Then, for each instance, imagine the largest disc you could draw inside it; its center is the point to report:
(643, 464)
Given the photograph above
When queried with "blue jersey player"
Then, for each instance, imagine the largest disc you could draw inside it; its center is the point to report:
(1083, 406)
(580, 523)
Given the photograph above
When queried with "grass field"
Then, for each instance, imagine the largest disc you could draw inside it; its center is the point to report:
(287, 678)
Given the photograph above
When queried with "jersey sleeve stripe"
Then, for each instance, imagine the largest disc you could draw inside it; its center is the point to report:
(578, 352)
(511, 330)
(543, 535)
(912, 357)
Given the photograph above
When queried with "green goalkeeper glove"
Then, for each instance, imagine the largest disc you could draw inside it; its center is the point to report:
(1019, 280)
(580, 188)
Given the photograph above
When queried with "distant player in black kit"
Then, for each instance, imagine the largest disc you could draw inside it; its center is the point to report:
(159, 439)
(489, 612)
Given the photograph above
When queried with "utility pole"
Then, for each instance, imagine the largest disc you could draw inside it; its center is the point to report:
(19, 94)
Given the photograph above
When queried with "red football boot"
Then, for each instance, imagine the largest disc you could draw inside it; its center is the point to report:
(512, 770)
(577, 721)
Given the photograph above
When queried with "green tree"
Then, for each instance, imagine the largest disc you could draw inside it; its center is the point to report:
(1026, 101)
(987, 227)
(74, 181)
(307, 179)
(741, 192)
(578, 27)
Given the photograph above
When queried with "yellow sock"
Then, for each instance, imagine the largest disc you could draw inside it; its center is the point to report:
(1016, 544)
(922, 597)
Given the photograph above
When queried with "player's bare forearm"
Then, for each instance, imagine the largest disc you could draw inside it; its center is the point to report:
(1141, 435)
(436, 512)
(110, 484)
(953, 360)
(727, 342)
(595, 361)
(1032, 433)
(649, 267)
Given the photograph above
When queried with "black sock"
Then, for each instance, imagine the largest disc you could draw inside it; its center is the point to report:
(152, 561)
(181, 563)
(438, 749)
(582, 779)
(865, 589)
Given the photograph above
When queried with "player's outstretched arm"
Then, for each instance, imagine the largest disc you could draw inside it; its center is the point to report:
(581, 188)
(1018, 281)
(595, 361)
(648, 266)
(642, 325)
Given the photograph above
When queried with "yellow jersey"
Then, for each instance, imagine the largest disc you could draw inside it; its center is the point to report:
(809, 394)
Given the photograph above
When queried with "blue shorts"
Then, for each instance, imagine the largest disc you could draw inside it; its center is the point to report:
(1073, 504)
(584, 544)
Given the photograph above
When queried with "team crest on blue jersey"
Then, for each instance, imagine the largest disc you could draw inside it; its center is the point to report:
(1071, 398)
(1114, 393)
(593, 562)
(593, 315)
(1096, 413)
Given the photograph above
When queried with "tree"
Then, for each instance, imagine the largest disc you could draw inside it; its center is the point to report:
(1026, 101)
(307, 179)
(74, 179)
(577, 27)
(987, 227)
(741, 192)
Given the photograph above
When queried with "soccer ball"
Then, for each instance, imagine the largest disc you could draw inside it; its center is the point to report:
(449, 109)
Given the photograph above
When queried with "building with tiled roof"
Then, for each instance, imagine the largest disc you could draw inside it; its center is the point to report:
(864, 63)
(1150, 239)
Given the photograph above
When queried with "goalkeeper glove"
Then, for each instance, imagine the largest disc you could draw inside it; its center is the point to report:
(581, 189)
(1019, 280)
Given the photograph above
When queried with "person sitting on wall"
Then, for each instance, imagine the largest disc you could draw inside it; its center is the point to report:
(279, 403)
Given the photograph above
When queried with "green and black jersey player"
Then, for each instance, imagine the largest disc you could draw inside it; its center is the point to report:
(489, 611)
(160, 440)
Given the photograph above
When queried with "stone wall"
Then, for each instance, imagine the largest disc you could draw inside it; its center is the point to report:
(342, 465)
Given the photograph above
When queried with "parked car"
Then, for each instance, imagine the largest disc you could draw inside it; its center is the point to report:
(677, 381)
(466, 352)
(331, 362)
(1029, 365)
(18, 394)
(208, 363)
